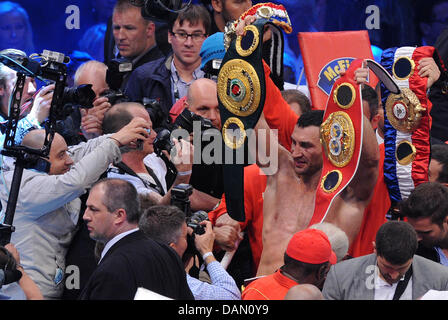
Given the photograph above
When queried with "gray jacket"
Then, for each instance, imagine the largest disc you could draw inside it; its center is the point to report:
(353, 279)
(48, 209)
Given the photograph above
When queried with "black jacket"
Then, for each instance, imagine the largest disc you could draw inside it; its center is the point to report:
(152, 81)
(137, 261)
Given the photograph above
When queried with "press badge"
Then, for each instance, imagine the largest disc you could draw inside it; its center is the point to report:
(58, 276)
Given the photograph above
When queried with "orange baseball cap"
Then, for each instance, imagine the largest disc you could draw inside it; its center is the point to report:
(311, 246)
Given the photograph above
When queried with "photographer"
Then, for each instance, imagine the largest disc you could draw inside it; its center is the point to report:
(139, 164)
(38, 102)
(48, 206)
(142, 167)
(94, 73)
(167, 225)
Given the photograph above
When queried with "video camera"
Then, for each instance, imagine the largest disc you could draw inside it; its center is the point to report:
(51, 67)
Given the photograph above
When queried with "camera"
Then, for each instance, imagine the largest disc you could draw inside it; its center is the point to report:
(159, 118)
(81, 96)
(211, 69)
(194, 222)
(180, 197)
(186, 119)
(114, 97)
(163, 142)
(54, 68)
(116, 70)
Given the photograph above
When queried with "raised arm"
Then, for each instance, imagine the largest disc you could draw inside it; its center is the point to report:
(348, 208)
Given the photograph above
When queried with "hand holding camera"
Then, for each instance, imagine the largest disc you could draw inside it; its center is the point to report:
(100, 106)
(182, 156)
(91, 126)
(133, 131)
(204, 242)
(42, 103)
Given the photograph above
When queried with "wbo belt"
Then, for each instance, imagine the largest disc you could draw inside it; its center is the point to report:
(241, 97)
(407, 121)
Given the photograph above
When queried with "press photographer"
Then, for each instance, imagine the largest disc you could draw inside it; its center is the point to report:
(34, 106)
(45, 214)
(167, 224)
(180, 198)
(140, 165)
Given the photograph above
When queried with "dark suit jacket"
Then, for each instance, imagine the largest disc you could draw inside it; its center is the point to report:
(137, 261)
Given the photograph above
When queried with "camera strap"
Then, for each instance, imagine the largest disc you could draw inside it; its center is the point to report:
(401, 286)
(158, 186)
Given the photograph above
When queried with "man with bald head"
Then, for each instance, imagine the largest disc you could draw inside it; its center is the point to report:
(202, 99)
(141, 166)
(93, 72)
(48, 206)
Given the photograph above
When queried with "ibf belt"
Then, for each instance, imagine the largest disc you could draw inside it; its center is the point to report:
(407, 122)
(241, 99)
(341, 137)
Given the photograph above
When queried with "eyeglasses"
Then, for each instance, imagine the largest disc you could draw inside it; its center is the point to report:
(183, 36)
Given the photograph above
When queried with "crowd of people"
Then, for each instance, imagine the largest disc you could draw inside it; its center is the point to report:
(125, 206)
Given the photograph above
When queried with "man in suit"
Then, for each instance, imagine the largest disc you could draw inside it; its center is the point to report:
(129, 259)
(393, 272)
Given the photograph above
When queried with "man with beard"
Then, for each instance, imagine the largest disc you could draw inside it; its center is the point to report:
(426, 209)
(393, 272)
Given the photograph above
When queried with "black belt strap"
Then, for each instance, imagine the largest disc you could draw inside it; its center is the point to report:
(128, 170)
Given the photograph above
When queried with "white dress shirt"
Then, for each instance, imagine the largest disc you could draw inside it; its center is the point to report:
(386, 291)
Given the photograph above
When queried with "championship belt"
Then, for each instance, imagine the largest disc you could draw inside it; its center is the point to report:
(407, 122)
(341, 137)
(241, 96)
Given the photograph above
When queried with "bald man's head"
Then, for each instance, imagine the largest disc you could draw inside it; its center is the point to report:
(202, 99)
(58, 157)
(121, 114)
(94, 73)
